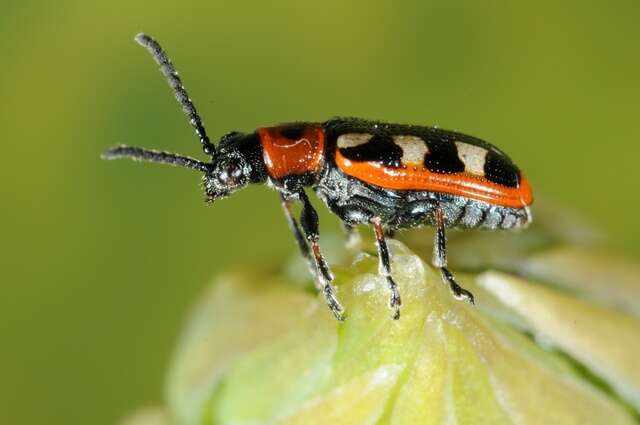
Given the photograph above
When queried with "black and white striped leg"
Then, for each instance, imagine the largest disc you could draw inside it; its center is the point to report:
(384, 267)
(440, 259)
(309, 221)
(300, 239)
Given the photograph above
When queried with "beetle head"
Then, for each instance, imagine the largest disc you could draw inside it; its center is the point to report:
(229, 172)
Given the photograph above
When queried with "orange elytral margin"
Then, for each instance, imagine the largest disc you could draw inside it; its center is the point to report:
(460, 184)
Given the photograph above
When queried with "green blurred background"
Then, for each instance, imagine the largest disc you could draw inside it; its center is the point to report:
(100, 260)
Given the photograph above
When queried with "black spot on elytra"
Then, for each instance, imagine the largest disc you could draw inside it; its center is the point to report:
(293, 131)
(380, 148)
(443, 157)
(499, 169)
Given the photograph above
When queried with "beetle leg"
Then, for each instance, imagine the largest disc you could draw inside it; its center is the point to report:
(300, 239)
(384, 267)
(309, 221)
(440, 259)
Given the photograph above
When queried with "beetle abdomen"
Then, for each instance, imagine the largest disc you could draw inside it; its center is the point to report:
(356, 202)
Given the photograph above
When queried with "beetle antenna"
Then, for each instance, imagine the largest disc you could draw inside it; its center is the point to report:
(140, 154)
(167, 68)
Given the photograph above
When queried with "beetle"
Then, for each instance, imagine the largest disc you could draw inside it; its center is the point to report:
(388, 176)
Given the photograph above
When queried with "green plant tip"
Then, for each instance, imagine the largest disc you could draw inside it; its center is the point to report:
(259, 351)
(545, 344)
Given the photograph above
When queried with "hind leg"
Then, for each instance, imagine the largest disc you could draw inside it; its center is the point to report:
(440, 259)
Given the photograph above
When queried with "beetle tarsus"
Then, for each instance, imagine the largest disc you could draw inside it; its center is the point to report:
(332, 302)
(458, 291)
(394, 301)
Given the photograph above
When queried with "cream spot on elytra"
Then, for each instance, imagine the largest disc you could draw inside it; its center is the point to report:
(413, 149)
(473, 157)
(351, 140)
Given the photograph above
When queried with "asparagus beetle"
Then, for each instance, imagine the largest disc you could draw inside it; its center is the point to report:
(388, 176)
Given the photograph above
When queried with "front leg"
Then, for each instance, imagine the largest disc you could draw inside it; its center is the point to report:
(309, 221)
(384, 267)
(301, 241)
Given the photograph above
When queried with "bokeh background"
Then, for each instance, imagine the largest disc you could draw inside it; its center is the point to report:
(100, 260)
